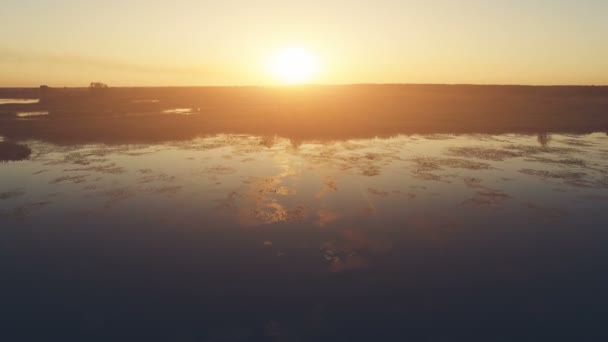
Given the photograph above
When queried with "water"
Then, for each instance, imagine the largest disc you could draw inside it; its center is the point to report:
(180, 111)
(18, 101)
(145, 101)
(30, 114)
(238, 237)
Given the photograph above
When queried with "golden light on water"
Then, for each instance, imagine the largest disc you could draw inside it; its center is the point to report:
(294, 65)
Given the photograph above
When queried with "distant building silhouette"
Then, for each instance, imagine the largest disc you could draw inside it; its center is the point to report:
(98, 85)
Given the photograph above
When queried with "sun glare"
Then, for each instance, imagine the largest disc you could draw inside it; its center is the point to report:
(294, 65)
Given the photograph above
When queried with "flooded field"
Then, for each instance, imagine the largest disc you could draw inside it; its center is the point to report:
(232, 237)
(313, 213)
(304, 171)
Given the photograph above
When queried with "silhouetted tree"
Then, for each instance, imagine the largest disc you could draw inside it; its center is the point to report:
(544, 139)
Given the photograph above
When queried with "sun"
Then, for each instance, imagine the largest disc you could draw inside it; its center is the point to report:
(294, 65)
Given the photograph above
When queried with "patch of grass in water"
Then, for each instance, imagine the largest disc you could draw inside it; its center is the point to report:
(10, 151)
(23, 212)
(11, 194)
(565, 161)
(507, 152)
(432, 164)
(493, 154)
(571, 178)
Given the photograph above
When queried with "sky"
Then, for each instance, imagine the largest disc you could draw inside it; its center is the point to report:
(230, 42)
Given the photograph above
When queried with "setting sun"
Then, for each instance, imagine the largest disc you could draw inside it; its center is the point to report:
(294, 65)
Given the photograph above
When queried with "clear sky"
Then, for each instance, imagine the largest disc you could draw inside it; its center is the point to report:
(229, 42)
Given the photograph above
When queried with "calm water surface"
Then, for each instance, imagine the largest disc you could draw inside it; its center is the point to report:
(238, 238)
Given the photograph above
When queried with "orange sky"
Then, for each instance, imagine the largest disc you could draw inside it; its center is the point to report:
(133, 43)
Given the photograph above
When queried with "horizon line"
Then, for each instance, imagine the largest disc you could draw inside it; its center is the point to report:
(287, 86)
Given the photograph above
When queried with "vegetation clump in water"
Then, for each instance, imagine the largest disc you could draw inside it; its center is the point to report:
(10, 151)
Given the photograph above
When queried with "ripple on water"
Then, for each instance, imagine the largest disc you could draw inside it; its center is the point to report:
(32, 114)
(18, 101)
